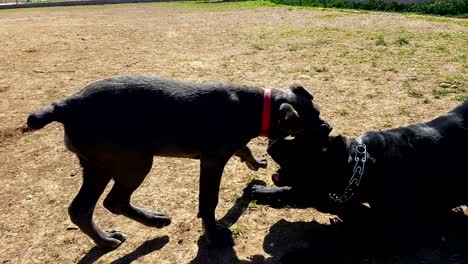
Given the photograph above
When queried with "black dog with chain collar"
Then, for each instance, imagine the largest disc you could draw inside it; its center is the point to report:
(412, 173)
(360, 158)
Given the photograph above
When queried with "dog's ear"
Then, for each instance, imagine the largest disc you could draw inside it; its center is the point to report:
(338, 145)
(289, 119)
(337, 141)
(325, 129)
(300, 90)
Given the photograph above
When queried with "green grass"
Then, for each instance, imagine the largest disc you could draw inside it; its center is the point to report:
(250, 177)
(220, 5)
(252, 204)
(210, 5)
(331, 15)
(461, 97)
(236, 230)
(302, 71)
(402, 41)
(451, 84)
(459, 92)
(321, 69)
(441, 48)
(439, 19)
(374, 94)
(262, 46)
(437, 7)
(453, 79)
(439, 92)
(412, 92)
(404, 112)
(380, 41)
(342, 111)
(296, 47)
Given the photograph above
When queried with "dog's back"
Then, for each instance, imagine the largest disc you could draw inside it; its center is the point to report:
(426, 160)
(154, 114)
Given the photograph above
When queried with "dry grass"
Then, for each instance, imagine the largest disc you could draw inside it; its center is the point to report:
(366, 70)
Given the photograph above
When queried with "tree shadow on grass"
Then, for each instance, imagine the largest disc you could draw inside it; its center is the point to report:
(144, 249)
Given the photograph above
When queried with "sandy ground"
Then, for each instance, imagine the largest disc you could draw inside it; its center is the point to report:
(366, 71)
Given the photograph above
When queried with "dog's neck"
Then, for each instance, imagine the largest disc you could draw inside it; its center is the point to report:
(277, 97)
(266, 114)
(252, 110)
(343, 174)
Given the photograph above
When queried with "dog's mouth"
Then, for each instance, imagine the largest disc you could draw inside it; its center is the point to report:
(276, 178)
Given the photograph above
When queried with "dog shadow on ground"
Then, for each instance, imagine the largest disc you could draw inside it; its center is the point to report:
(144, 249)
(358, 237)
(239, 207)
(207, 254)
(312, 242)
(211, 255)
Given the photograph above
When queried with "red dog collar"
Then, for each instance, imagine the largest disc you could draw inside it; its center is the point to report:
(266, 114)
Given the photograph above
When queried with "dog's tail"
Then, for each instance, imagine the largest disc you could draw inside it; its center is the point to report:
(46, 115)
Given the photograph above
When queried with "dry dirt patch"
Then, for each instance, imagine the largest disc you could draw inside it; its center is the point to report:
(366, 70)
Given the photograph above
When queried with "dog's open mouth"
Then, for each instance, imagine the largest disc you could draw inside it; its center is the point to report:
(276, 178)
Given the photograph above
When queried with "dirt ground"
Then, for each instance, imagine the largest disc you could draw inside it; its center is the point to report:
(366, 70)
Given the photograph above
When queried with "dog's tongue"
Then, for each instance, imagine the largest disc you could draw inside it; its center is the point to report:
(275, 178)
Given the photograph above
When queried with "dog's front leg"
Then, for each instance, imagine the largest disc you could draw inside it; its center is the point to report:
(245, 154)
(272, 195)
(211, 170)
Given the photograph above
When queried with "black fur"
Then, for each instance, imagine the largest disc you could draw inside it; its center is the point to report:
(115, 127)
(413, 173)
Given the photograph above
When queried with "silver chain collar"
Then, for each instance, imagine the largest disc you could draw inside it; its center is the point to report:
(360, 158)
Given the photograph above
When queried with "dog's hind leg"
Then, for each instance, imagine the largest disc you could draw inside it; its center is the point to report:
(245, 154)
(131, 174)
(81, 209)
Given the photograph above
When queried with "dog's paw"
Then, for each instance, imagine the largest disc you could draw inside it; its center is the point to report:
(262, 162)
(155, 219)
(220, 237)
(276, 197)
(256, 164)
(259, 189)
(262, 194)
(111, 239)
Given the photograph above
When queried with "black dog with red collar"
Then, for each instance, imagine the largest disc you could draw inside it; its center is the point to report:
(115, 127)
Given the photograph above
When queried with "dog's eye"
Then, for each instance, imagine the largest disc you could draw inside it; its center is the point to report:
(289, 137)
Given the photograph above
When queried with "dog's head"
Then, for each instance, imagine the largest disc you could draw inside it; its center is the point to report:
(308, 164)
(296, 114)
